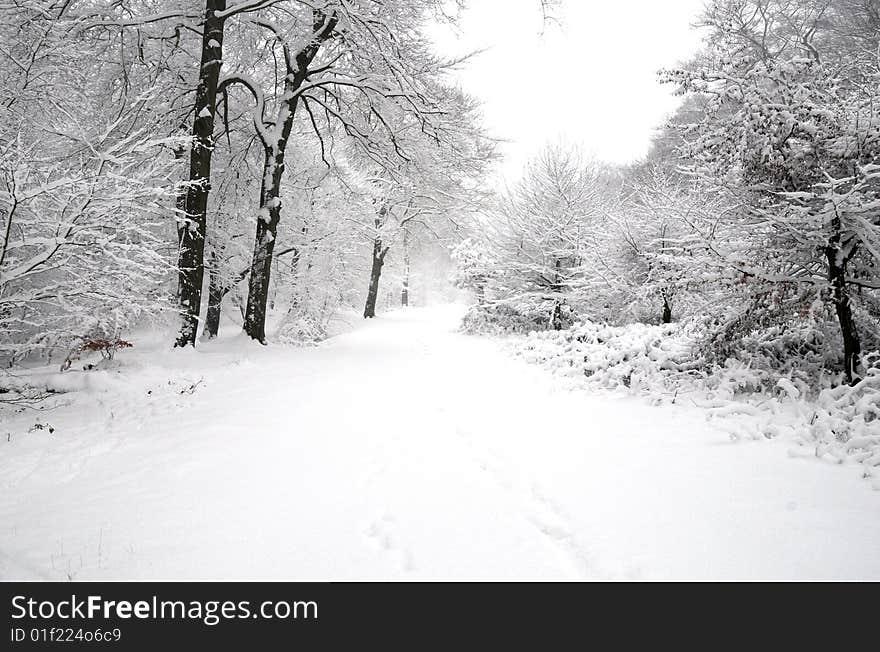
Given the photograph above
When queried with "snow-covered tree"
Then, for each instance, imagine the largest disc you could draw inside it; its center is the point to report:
(656, 267)
(474, 266)
(790, 137)
(87, 180)
(436, 185)
(544, 238)
(363, 71)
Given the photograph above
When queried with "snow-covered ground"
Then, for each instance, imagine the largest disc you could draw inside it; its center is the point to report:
(405, 450)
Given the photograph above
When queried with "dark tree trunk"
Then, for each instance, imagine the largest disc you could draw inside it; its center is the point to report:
(190, 262)
(556, 321)
(852, 348)
(556, 317)
(666, 317)
(216, 292)
(273, 172)
(375, 274)
(264, 246)
(212, 317)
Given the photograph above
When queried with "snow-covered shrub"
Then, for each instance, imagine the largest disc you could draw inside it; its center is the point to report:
(797, 354)
(803, 348)
(783, 336)
(650, 357)
(106, 346)
(307, 321)
(301, 330)
(517, 315)
(846, 420)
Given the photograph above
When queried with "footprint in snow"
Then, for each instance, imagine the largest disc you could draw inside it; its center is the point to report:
(551, 521)
(382, 534)
(538, 508)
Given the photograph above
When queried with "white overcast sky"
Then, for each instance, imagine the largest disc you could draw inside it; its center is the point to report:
(590, 80)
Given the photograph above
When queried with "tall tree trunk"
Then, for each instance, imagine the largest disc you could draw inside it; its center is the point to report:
(404, 292)
(273, 173)
(264, 246)
(666, 317)
(556, 317)
(375, 274)
(216, 292)
(190, 261)
(852, 347)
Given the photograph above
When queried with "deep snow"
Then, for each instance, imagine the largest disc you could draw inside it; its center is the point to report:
(405, 450)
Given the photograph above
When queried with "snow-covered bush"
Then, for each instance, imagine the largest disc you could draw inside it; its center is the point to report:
(519, 314)
(650, 357)
(845, 421)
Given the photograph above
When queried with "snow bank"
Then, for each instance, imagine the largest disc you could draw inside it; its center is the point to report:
(749, 399)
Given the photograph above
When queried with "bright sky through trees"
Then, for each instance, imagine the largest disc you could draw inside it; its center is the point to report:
(597, 65)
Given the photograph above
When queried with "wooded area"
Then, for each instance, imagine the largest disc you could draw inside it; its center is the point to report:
(269, 285)
(754, 218)
(279, 157)
(282, 142)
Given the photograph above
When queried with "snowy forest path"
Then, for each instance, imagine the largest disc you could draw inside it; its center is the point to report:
(405, 449)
